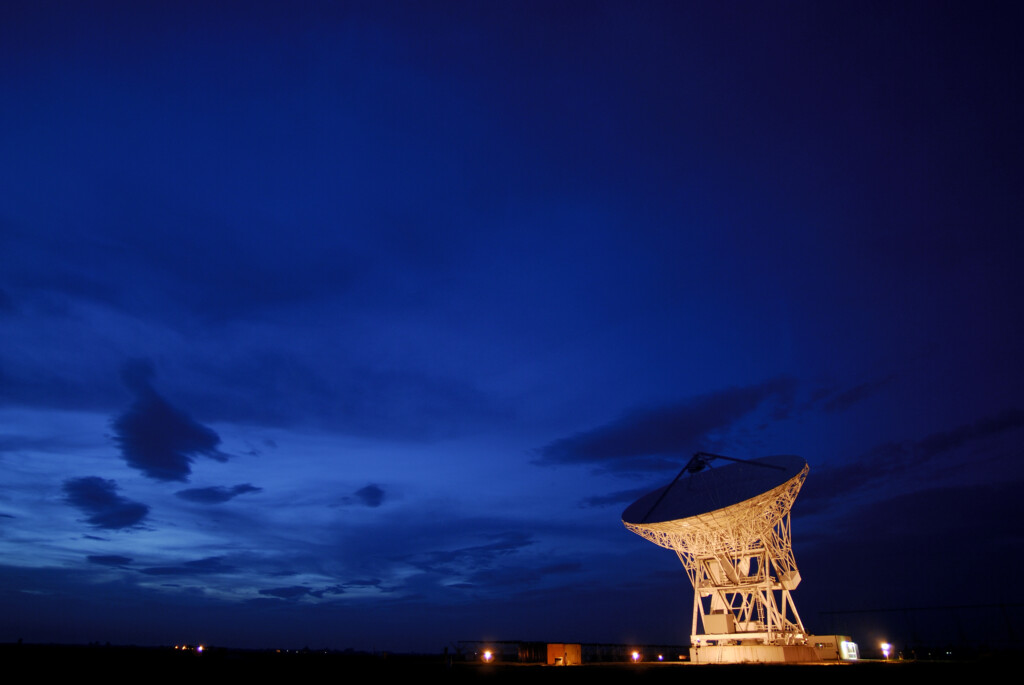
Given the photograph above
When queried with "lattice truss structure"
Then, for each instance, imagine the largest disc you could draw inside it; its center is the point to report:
(740, 562)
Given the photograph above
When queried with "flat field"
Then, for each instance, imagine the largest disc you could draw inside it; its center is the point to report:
(125, 662)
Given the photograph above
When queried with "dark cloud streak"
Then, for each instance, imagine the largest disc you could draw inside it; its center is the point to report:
(472, 558)
(896, 460)
(290, 592)
(848, 398)
(98, 497)
(994, 425)
(618, 497)
(208, 565)
(216, 495)
(668, 430)
(155, 437)
(109, 559)
(294, 592)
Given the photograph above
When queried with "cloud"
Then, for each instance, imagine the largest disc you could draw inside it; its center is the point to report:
(297, 591)
(290, 592)
(364, 582)
(505, 576)
(371, 495)
(475, 557)
(667, 430)
(109, 559)
(203, 566)
(269, 386)
(907, 535)
(618, 497)
(893, 460)
(156, 438)
(847, 398)
(216, 495)
(987, 427)
(98, 498)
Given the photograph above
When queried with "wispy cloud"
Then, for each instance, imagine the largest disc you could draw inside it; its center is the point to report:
(894, 460)
(990, 426)
(667, 430)
(618, 497)
(289, 592)
(293, 592)
(109, 559)
(474, 557)
(208, 565)
(838, 401)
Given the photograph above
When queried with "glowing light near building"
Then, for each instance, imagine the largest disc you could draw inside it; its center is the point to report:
(635, 656)
(886, 650)
(488, 656)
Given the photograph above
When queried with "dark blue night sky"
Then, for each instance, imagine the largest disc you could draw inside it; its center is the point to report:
(359, 324)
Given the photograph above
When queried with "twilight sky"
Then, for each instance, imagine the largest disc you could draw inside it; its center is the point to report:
(359, 324)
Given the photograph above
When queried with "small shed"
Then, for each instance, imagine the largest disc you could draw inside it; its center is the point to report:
(561, 654)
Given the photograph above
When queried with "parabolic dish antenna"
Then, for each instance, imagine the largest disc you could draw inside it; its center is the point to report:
(729, 524)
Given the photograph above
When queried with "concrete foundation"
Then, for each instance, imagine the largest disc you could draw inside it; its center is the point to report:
(752, 654)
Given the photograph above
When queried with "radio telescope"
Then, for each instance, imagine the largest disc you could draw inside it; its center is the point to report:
(730, 526)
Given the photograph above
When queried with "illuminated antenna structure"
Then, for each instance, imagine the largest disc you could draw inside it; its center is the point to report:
(730, 526)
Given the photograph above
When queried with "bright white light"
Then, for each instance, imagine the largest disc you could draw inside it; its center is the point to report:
(886, 649)
(635, 656)
(488, 655)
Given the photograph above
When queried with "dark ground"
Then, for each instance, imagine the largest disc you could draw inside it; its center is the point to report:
(129, 662)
